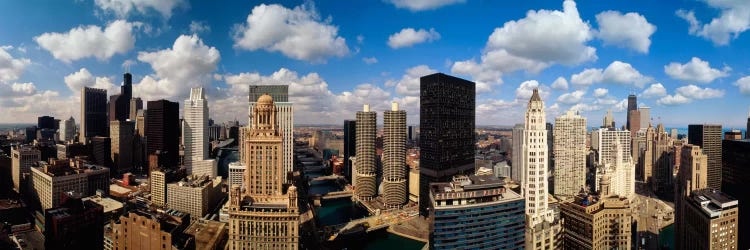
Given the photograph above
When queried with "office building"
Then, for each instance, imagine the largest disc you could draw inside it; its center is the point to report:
(569, 152)
(596, 222)
(235, 174)
(411, 133)
(93, 114)
(208, 234)
(708, 137)
(264, 208)
(195, 135)
(76, 224)
(101, 150)
(609, 120)
(712, 218)
(475, 212)
(121, 134)
(366, 188)
(150, 230)
(30, 133)
(22, 158)
(517, 170)
(45, 122)
(195, 195)
(136, 105)
(632, 110)
(50, 180)
(68, 130)
(735, 175)
(285, 116)
(162, 133)
(603, 140)
(620, 170)
(644, 116)
(663, 162)
(691, 176)
(394, 157)
(158, 180)
(635, 122)
(119, 105)
(734, 134)
(350, 146)
(446, 131)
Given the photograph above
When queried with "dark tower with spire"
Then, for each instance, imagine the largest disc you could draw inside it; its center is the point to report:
(119, 105)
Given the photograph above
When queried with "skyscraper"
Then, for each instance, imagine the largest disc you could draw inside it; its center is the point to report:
(645, 116)
(68, 130)
(446, 131)
(366, 188)
(692, 176)
(394, 157)
(121, 138)
(712, 221)
(570, 154)
(45, 122)
(350, 146)
(596, 222)
(620, 168)
(119, 105)
(264, 209)
(663, 162)
(634, 122)
(162, 130)
(22, 157)
(632, 106)
(517, 170)
(747, 129)
(195, 135)
(708, 137)
(285, 113)
(93, 114)
(609, 120)
(734, 179)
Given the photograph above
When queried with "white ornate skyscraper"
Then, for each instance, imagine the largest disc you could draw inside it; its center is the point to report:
(195, 135)
(570, 155)
(541, 226)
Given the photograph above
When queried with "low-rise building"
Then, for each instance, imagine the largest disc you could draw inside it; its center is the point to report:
(50, 180)
(145, 230)
(196, 195)
(208, 234)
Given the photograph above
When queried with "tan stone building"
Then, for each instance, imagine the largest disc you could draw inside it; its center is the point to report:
(141, 230)
(692, 176)
(593, 223)
(196, 195)
(264, 217)
(712, 220)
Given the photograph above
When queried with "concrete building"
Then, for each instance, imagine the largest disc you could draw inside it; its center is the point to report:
(208, 234)
(136, 105)
(692, 176)
(596, 223)
(394, 157)
(708, 137)
(475, 212)
(122, 135)
(93, 114)
(414, 185)
(50, 180)
(712, 218)
(570, 155)
(264, 209)
(195, 195)
(734, 179)
(447, 111)
(236, 175)
(602, 140)
(621, 171)
(68, 130)
(517, 169)
(285, 116)
(22, 158)
(195, 135)
(147, 230)
(76, 224)
(366, 188)
(159, 179)
(635, 122)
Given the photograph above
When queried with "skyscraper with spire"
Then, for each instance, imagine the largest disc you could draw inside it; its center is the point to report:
(119, 105)
(195, 135)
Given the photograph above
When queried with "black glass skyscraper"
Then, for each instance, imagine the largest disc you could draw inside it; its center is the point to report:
(632, 106)
(119, 105)
(708, 137)
(93, 114)
(163, 130)
(45, 122)
(735, 175)
(350, 146)
(446, 131)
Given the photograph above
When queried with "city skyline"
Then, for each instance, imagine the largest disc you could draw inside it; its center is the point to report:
(354, 60)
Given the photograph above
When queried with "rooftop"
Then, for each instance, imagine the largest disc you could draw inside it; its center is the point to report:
(712, 201)
(207, 233)
(109, 204)
(471, 187)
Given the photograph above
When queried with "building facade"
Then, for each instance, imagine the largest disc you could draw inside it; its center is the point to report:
(76, 224)
(22, 158)
(93, 114)
(394, 157)
(447, 111)
(235, 175)
(350, 146)
(517, 169)
(712, 220)
(196, 195)
(195, 135)
(475, 212)
(366, 188)
(49, 181)
(734, 179)
(285, 116)
(708, 137)
(570, 155)
(597, 224)
(68, 130)
(691, 176)
(162, 133)
(146, 230)
(632, 107)
(121, 151)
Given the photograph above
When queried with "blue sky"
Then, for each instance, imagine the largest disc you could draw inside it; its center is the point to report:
(686, 59)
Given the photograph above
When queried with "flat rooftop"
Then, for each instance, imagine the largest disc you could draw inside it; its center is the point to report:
(108, 203)
(207, 233)
(713, 202)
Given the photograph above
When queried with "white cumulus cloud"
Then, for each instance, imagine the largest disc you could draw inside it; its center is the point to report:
(696, 70)
(420, 5)
(408, 37)
(695, 92)
(630, 30)
(560, 84)
(89, 41)
(733, 20)
(408, 85)
(744, 85)
(600, 92)
(571, 98)
(122, 8)
(654, 90)
(11, 68)
(298, 33)
(370, 60)
(617, 72)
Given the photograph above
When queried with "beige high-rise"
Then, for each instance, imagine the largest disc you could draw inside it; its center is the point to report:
(570, 155)
(692, 176)
(263, 217)
(591, 223)
(712, 218)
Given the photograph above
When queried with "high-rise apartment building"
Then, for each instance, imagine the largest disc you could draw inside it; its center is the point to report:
(50, 180)
(645, 116)
(394, 157)
(121, 138)
(632, 107)
(264, 209)
(159, 179)
(569, 152)
(76, 224)
(350, 146)
(22, 158)
(366, 188)
(93, 114)
(596, 222)
(68, 130)
(603, 140)
(711, 221)
(162, 130)
(196, 195)
(447, 111)
(708, 137)
(285, 116)
(195, 135)
(734, 179)
(475, 212)
(691, 176)
(517, 170)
